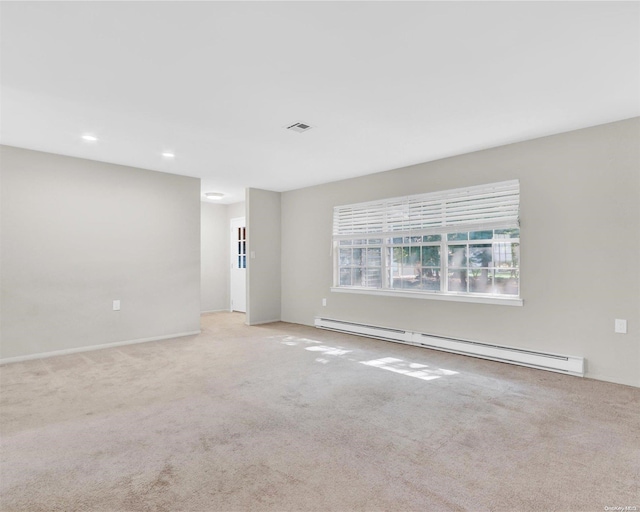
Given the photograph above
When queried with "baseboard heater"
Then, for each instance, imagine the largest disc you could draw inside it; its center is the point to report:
(570, 365)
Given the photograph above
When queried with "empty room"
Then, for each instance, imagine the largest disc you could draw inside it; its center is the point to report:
(319, 256)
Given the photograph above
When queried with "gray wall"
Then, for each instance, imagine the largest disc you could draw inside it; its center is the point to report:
(580, 215)
(215, 263)
(263, 271)
(77, 234)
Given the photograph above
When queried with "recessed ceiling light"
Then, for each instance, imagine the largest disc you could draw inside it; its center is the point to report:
(89, 138)
(168, 154)
(214, 195)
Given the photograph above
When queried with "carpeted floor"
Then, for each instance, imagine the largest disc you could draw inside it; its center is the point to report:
(285, 418)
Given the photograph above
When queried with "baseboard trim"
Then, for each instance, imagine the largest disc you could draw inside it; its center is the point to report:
(215, 311)
(43, 355)
(262, 322)
(612, 378)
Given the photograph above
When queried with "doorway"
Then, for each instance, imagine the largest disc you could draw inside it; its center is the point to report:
(238, 279)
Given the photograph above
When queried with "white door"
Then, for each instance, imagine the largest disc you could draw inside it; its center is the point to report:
(238, 280)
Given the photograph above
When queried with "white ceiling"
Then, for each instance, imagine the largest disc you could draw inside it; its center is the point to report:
(384, 84)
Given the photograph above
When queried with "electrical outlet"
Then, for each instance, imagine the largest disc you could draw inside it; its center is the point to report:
(324, 302)
(116, 305)
(621, 326)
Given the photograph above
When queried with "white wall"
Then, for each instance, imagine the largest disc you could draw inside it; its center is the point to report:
(263, 271)
(236, 210)
(580, 248)
(77, 234)
(214, 262)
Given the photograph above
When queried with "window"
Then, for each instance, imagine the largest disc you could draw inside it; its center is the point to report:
(241, 254)
(462, 243)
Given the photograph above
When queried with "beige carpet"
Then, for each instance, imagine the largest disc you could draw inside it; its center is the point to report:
(285, 418)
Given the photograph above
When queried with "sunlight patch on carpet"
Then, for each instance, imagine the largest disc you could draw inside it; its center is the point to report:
(417, 370)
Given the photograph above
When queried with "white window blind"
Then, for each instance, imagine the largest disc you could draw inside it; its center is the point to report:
(492, 206)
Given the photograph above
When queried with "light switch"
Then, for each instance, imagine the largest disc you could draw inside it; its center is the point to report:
(253, 255)
(324, 302)
(621, 326)
(116, 305)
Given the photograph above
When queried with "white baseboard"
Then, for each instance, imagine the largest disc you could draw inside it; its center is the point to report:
(612, 378)
(264, 322)
(215, 311)
(42, 355)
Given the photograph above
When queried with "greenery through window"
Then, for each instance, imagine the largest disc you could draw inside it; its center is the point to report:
(477, 262)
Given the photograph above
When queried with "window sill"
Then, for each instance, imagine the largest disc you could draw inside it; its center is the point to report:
(452, 297)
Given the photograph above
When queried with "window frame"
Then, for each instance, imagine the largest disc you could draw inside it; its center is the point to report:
(386, 243)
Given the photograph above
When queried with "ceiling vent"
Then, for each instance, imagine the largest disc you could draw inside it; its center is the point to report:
(299, 127)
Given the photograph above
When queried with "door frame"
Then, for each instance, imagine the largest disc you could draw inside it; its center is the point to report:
(234, 223)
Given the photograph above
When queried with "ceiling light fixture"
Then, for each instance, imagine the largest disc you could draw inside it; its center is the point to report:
(214, 195)
(168, 154)
(89, 138)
